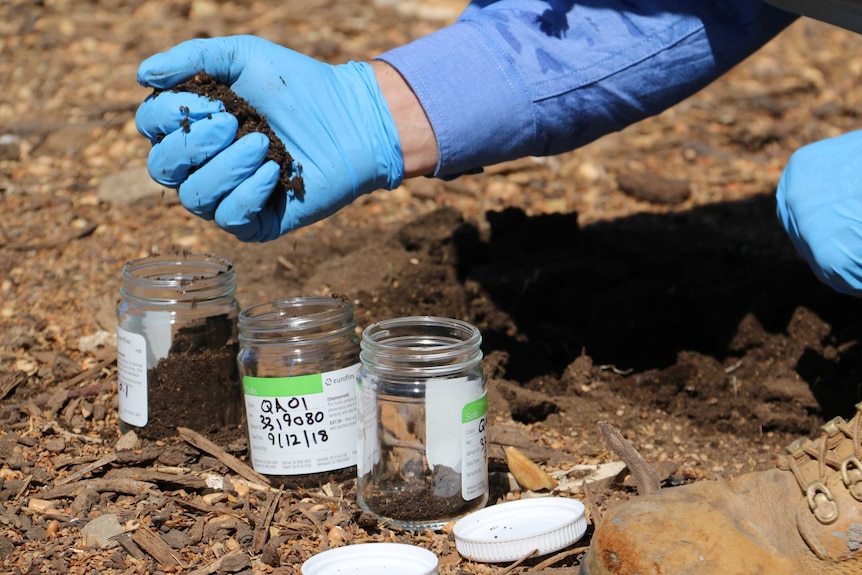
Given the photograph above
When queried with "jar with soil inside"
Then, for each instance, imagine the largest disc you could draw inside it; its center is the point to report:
(177, 346)
(422, 399)
(298, 362)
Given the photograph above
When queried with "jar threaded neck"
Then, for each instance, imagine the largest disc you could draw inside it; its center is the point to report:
(422, 346)
(300, 320)
(178, 278)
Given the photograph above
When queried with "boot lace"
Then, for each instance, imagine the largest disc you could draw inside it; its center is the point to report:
(815, 463)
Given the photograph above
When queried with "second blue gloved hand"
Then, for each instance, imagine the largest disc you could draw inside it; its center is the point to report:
(820, 205)
(333, 120)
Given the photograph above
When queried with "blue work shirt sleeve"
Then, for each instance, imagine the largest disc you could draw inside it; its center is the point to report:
(515, 78)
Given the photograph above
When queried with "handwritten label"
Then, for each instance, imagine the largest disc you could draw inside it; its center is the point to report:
(302, 424)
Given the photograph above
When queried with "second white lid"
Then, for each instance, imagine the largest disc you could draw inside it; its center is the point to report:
(509, 531)
(373, 559)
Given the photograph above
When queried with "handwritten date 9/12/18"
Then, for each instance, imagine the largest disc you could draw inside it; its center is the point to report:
(305, 438)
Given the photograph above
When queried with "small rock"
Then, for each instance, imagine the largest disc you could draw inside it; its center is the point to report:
(336, 536)
(7, 448)
(597, 477)
(172, 458)
(270, 555)
(176, 539)
(19, 462)
(28, 440)
(210, 463)
(36, 533)
(10, 147)
(84, 501)
(129, 440)
(654, 188)
(131, 186)
(100, 339)
(6, 547)
(99, 411)
(234, 563)
(40, 476)
(99, 531)
(56, 445)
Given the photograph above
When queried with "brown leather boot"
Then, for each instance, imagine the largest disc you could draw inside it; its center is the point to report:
(805, 517)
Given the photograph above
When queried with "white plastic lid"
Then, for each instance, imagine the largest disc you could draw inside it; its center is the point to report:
(510, 531)
(373, 559)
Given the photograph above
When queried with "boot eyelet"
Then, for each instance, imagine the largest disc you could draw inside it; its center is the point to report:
(833, 427)
(821, 502)
(851, 474)
(795, 449)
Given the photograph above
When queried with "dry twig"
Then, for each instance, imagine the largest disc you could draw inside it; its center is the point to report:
(223, 456)
(646, 479)
(125, 486)
(215, 566)
(108, 459)
(156, 546)
(87, 374)
(324, 540)
(262, 530)
(592, 505)
(541, 567)
(9, 381)
(515, 565)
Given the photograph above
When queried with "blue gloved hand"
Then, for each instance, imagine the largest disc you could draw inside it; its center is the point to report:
(820, 205)
(333, 120)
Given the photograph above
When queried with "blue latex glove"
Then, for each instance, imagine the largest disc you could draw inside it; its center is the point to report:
(332, 119)
(820, 205)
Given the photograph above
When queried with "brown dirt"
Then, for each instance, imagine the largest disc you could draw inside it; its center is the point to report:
(250, 120)
(684, 319)
(196, 385)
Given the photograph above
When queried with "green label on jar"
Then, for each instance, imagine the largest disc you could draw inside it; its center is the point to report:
(279, 386)
(474, 410)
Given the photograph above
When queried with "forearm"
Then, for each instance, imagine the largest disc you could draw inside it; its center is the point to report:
(516, 78)
(418, 144)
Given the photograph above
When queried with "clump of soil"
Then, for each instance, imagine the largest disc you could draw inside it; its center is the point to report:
(250, 120)
(436, 496)
(311, 480)
(197, 384)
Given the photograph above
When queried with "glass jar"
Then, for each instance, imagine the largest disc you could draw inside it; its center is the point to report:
(177, 346)
(298, 362)
(423, 410)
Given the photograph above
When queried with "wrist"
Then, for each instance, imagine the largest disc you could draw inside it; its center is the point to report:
(418, 142)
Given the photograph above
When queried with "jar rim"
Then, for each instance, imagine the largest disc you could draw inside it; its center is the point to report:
(421, 345)
(297, 318)
(305, 308)
(178, 276)
(155, 269)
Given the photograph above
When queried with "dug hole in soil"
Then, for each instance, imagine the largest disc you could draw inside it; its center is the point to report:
(703, 322)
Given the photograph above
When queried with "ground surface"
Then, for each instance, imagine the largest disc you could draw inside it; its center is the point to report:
(643, 280)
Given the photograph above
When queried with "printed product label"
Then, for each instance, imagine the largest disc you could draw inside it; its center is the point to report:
(302, 424)
(132, 376)
(474, 421)
(369, 446)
